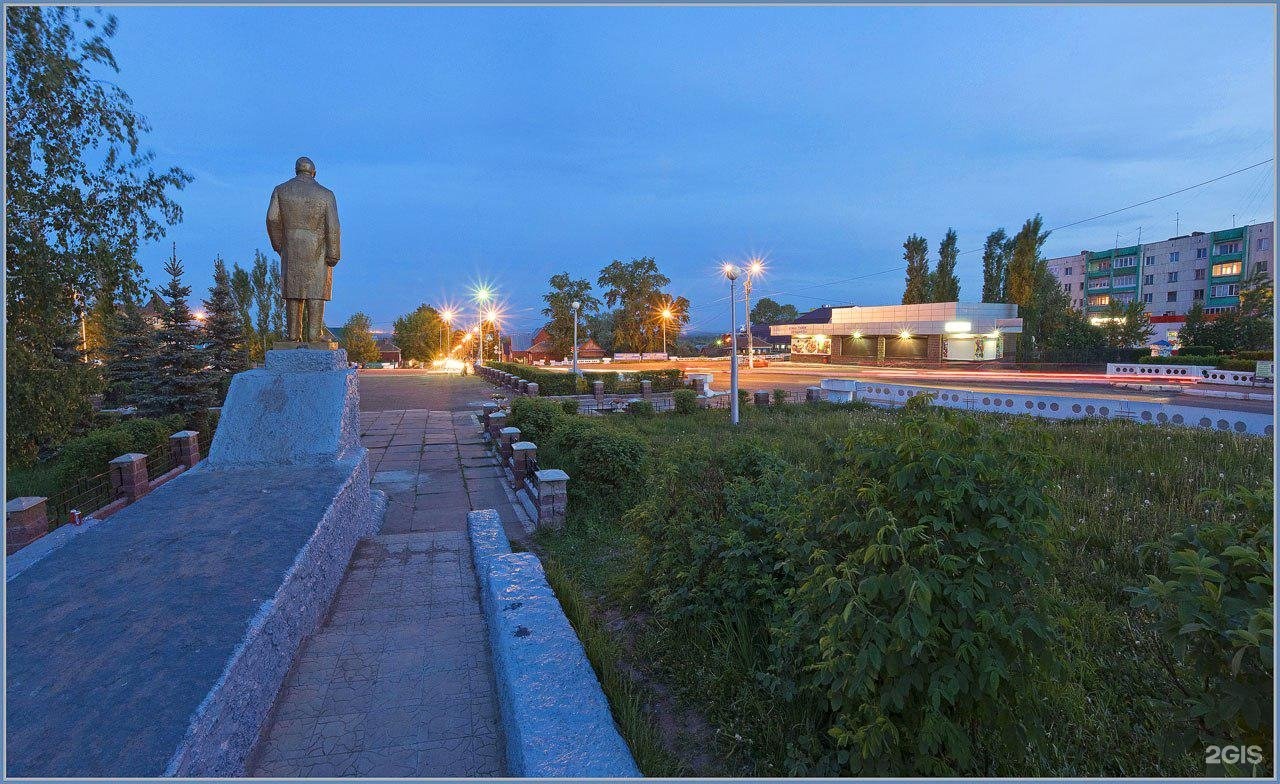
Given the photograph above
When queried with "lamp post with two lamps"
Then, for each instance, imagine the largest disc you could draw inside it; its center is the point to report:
(577, 305)
(754, 268)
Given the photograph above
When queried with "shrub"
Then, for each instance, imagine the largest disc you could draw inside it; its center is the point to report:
(89, 455)
(1214, 615)
(569, 405)
(607, 458)
(1198, 351)
(744, 397)
(917, 625)
(779, 396)
(536, 417)
(685, 401)
(1246, 365)
(1190, 359)
(1257, 356)
(642, 408)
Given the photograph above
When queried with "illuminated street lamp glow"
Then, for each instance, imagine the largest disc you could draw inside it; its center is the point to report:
(483, 294)
(905, 334)
(730, 271)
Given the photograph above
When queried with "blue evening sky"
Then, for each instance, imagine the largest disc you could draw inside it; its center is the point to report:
(509, 144)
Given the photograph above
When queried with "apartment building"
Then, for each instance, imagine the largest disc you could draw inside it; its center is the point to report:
(1168, 277)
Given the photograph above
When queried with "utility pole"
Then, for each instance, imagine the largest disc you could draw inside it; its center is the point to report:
(753, 269)
(1177, 223)
(731, 273)
(576, 304)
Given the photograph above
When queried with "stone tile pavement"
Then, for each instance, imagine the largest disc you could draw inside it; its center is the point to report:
(398, 681)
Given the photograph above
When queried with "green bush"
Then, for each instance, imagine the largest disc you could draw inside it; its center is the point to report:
(537, 418)
(1214, 617)
(569, 405)
(1199, 351)
(608, 459)
(1246, 365)
(642, 408)
(744, 397)
(779, 396)
(1257, 356)
(89, 455)
(918, 617)
(685, 401)
(1192, 359)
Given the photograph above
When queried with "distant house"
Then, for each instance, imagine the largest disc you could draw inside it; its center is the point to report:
(388, 351)
(540, 350)
(153, 311)
(763, 343)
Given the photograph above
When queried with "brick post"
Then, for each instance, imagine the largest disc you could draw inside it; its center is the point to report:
(646, 390)
(812, 394)
(26, 520)
(553, 497)
(522, 454)
(700, 385)
(184, 447)
(524, 387)
(597, 388)
(533, 389)
(506, 437)
(761, 397)
(485, 412)
(497, 421)
(129, 476)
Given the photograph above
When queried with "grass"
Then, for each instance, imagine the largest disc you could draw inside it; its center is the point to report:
(1121, 487)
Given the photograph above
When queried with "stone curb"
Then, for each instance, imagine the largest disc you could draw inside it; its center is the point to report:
(555, 717)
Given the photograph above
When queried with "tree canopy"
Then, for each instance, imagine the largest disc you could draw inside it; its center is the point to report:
(944, 286)
(635, 289)
(994, 255)
(565, 290)
(81, 195)
(420, 334)
(769, 311)
(357, 339)
(916, 254)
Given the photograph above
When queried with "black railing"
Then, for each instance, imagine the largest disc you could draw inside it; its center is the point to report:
(84, 496)
(159, 461)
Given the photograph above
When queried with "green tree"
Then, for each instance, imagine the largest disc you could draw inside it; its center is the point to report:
(1194, 331)
(634, 288)
(660, 323)
(559, 309)
(994, 256)
(131, 358)
(222, 333)
(1042, 304)
(916, 254)
(419, 334)
(182, 382)
(944, 286)
(242, 295)
(1255, 316)
(81, 196)
(264, 300)
(768, 311)
(277, 301)
(357, 339)
(1136, 329)
(600, 329)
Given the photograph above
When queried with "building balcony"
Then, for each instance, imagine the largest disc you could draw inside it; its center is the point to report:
(1093, 273)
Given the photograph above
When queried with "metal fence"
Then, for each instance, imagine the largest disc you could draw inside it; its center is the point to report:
(85, 496)
(159, 461)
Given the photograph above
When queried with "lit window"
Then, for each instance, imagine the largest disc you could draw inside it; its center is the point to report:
(1229, 268)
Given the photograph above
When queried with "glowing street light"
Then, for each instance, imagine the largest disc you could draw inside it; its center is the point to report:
(491, 315)
(482, 295)
(754, 268)
(666, 314)
(446, 319)
(731, 272)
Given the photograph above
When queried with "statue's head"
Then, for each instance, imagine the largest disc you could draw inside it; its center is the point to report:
(305, 166)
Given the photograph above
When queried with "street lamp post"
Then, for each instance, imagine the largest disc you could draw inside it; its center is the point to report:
(755, 268)
(492, 317)
(666, 316)
(731, 272)
(446, 318)
(577, 304)
(482, 296)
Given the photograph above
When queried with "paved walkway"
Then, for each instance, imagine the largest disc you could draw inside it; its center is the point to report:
(398, 681)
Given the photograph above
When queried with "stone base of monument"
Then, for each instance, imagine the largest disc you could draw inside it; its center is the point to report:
(320, 345)
(155, 642)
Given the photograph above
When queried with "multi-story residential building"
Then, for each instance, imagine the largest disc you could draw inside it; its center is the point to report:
(1168, 277)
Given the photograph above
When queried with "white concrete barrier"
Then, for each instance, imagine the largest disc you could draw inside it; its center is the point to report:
(839, 390)
(1058, 406)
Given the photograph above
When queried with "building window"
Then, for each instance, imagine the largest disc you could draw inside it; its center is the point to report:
(1148, 280)
(1065, 287)
(1124, 281)
(1173, 297)
(1066, 271)
(1151, 259)
(1200, 274)
(1125, 261)
(1264, 243)
(1223, 248)
(1260, 266)
(1197, 294)
(1082, 285)
(1147, 298)
(1202, 253)
(1229, 268)
(1224, 290)
(1099, 299)
(1123, 298)
(1173, 257)
(1173, 277)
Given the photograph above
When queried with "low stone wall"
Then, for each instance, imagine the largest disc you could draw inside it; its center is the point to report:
(556, 719)
(1206, 373)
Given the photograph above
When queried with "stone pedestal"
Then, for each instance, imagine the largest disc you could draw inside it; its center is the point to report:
(497, 421)
(26, 520)
(523, 454)
(506, 437)
(646, 390)
(761, 397)
(597, 389)
(314, 345)
(533, 389)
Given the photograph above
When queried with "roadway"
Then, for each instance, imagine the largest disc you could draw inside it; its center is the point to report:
(797, 376)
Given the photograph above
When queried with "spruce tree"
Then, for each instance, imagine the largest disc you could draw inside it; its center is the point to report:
(131, 357)
(945, 286)
(916, 253)
(222, 335)
(183, 384)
